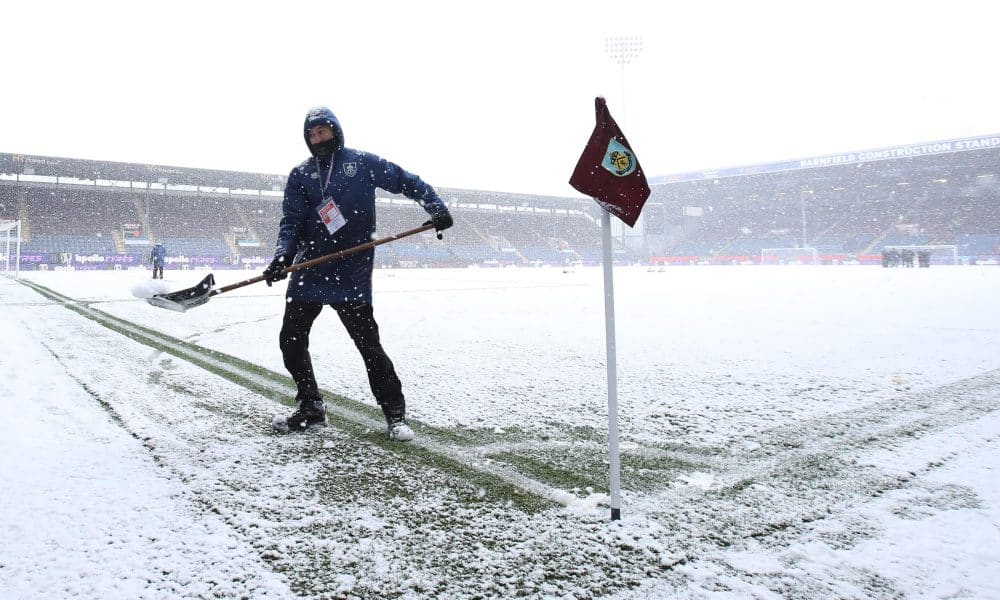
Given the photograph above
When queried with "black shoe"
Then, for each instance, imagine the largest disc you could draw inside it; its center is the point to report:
(311, 413)
(395, 423)
(398, 430)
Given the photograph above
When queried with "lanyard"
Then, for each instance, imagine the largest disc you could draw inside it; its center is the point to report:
(319, 170)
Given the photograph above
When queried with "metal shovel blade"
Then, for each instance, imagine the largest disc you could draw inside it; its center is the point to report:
(182, 300)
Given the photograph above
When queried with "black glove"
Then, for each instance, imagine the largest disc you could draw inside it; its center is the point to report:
(441, 221)
(273, 272)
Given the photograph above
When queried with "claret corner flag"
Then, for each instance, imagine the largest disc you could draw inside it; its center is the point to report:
(609, 171)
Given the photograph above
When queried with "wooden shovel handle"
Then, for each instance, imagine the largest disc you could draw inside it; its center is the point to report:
(327, 257)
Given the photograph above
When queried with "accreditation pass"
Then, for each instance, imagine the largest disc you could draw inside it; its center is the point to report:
(331, 216)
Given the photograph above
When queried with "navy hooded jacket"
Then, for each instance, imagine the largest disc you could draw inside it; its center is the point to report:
(158, 255)
(353, 177)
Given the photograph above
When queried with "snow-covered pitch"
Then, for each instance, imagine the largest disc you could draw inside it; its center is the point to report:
(787, 432)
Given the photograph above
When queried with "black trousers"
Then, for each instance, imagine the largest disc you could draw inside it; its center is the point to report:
(157, 269)
(359, 321)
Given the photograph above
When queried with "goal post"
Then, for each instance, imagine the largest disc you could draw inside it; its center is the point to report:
(944, 253)
(10, 247)
(789, 256)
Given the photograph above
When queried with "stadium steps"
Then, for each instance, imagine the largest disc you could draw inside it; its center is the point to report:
(878, 240)
(818, 239)
(230, 241)
(241, 213)
(118, 240)
(22, 215)
(143, 214)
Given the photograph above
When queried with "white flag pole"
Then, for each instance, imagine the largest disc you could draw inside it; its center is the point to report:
(609, 335)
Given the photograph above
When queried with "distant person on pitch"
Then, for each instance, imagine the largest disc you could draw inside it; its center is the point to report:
(158, 256)
(329, 206)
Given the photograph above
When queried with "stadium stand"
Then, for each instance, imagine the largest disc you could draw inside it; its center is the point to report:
(71, 222)
(849, 207)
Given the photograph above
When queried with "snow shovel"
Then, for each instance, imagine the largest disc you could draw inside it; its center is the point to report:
(191, 297)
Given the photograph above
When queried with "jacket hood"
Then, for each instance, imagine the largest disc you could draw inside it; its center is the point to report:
(319, 116)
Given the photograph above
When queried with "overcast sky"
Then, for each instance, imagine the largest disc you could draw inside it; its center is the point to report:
(492, 95)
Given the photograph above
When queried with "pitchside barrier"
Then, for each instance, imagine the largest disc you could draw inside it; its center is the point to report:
(789, 256)
(945, 257)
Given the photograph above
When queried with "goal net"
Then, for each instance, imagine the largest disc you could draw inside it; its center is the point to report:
(916, 256)
(10, 247)
(789, 256)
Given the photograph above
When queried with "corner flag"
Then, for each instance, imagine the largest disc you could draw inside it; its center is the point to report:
(609, 171)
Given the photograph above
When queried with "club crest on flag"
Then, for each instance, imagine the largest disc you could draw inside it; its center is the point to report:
(618, 159)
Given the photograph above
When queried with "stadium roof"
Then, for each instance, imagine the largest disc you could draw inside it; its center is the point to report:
(986, 142)
(26, 164)
(96, 170)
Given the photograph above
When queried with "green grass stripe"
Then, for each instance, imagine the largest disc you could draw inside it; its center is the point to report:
(447, 450)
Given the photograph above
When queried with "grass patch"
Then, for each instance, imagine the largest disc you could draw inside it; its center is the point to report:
(261, 381)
